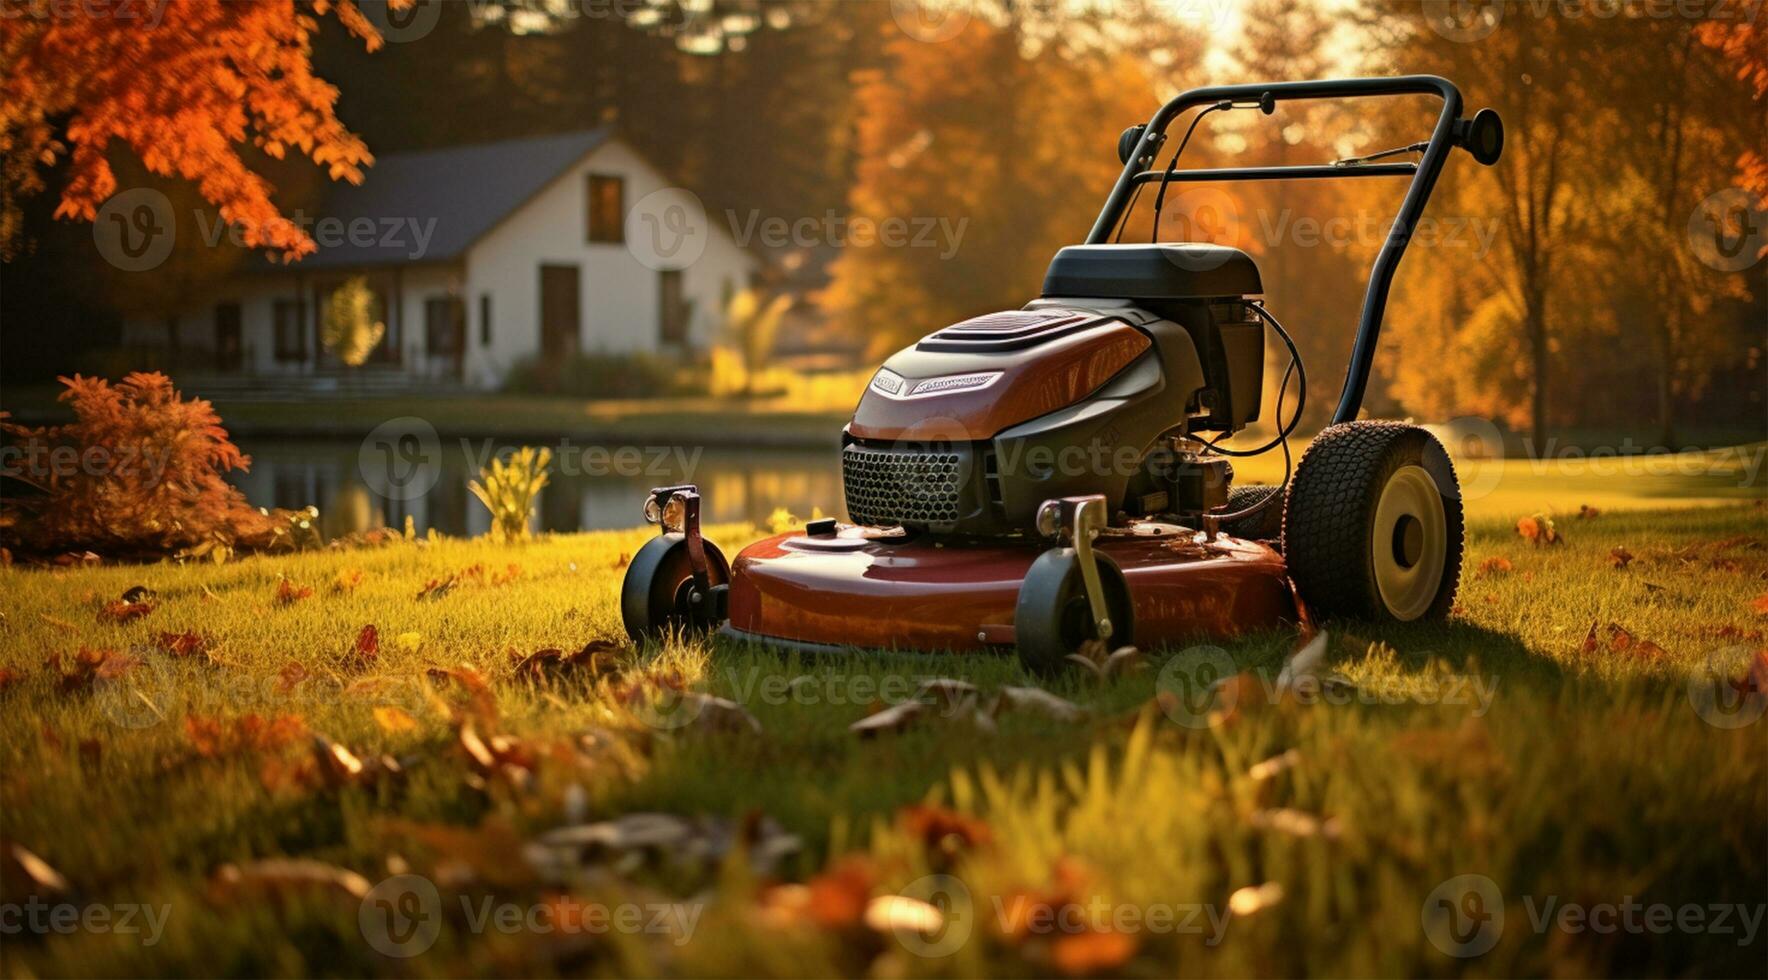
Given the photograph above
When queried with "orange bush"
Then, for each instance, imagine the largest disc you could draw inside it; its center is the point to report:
(138, 473)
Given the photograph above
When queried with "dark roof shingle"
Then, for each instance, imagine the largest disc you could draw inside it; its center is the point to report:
(464, 190)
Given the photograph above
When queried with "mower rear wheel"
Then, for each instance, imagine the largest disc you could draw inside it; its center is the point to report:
(1264, 525)
(1373, 526)
(1053, 618)
(659, 593)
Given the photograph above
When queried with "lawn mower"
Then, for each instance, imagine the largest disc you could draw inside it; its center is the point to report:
(1051, 477)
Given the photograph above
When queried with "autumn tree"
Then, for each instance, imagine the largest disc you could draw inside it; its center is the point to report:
(1005, 134)
(184, 94)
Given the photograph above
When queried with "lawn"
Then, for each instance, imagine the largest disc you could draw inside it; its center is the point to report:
(267, 794)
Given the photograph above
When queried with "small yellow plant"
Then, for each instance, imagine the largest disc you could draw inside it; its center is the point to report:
(509, 489)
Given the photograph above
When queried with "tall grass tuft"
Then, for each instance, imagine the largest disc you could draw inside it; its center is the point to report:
(508, 489)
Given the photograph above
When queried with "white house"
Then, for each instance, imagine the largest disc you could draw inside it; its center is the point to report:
(481, 256)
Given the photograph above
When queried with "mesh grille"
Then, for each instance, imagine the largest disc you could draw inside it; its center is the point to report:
(886, 487)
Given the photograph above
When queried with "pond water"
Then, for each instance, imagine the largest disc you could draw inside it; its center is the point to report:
(590, 488)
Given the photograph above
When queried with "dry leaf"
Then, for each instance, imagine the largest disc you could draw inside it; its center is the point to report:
(1495, 565)
(278, 877)
(1585, 512)
(288, 593)
(1620, 557)
(1255, 898)
(185, 644)
(393, 720)
(1092, 951)
(1033, 700)
(347, 580)
(891, 720)
(368, 645)
(123, 611)
(1760, 604)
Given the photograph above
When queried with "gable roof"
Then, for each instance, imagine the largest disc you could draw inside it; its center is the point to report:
(467, 190)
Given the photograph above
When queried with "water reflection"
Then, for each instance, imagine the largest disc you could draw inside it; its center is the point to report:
(738, 486)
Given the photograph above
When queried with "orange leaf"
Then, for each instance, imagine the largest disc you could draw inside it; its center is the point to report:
(1760, 604)
(1620, 557)
(186, 644)
(1083, 953)
(1530, 529)
(122, 611)
(288, 593)
(1496, 565)
(368, 644)
(393, 720)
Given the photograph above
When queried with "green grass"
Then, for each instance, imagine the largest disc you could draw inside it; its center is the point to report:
(1575, 777)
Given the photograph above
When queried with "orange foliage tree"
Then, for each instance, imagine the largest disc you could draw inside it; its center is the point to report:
(1004, 135)
(182, 84)
(139, 472)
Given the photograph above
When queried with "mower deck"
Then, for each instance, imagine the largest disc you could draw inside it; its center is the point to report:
(882, 589)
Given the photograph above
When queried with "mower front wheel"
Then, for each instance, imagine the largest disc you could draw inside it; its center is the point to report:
(659, 593)
(1053, 617)
(1373, 527)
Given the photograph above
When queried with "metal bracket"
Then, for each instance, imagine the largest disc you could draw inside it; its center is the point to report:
(677, 510)
(1078, 520)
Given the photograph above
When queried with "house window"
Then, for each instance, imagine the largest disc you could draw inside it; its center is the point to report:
(606, 217)
(290, 330)
(484, 319)
(442, 325)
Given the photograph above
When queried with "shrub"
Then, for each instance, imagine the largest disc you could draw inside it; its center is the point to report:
(138, 473)
(509, 489)
(608, 376)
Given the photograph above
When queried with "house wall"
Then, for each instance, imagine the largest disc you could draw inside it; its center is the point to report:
(619, 297)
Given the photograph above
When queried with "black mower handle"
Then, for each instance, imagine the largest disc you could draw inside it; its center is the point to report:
(1482, 136)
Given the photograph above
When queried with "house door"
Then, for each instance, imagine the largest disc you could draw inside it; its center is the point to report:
(229, 345)
(560, 311)
(672, 309)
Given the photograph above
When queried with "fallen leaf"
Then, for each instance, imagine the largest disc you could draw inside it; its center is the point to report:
(393, 720)
(598, 658)
(368, 645)
(409, 642)
(87, 667)
(279, 877)
(1255, 898)
(337, 765)
(1092, 951)
(185, 644)
(1495, 565)
(948, 693)
(9, 677)
(1304, 667)
(1538, 530)
(943, 831)
(1034, 700)
(123, 611)
(45, 881)
(291, 676)
(1585, 512)
(1296, 823)
(347, 580)
(892, 913)
(892, 720)
(1760, 604)
(1620, 557)
(1274, 766)
(288, 593)
(624, 560)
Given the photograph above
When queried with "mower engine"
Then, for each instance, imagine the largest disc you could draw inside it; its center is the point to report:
(1106, 385)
